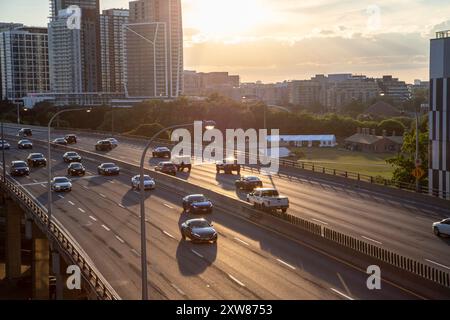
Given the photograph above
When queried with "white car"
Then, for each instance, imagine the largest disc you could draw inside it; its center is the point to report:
(60, 184)
(442, 227)
(149, 183)
(268, 199)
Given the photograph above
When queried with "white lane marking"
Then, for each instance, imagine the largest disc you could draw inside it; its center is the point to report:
(236, 280)
(120, 239)
(110, 181)
(93, 218)
(178, 289)
(102, 195)
(168, 234)
(168, 206)
(197, 254)
(319, 221)
(377, 242)
(286, 264)
(28, 177)
(343, 283)
(71, 203)
(60, 196)
(85, 187)
(106, 228)
(82, 210)
(43, 185)
(438, 264)
(122, 206)
(241, 241)
(135, 252)
(54, 160)
(35, 181)
(341, 294)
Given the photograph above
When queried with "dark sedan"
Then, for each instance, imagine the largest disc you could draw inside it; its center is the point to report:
(71, 156)
(76, 169)
(103, 145)
(197, 203)
(108, 169)
(161, 152)
(36, 160)
(198, 230)
(167, 168)
(19, 168)
(248, 183)
(25, 144)
(71, 138)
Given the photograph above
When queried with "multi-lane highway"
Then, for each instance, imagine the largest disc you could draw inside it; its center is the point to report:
(248, 262)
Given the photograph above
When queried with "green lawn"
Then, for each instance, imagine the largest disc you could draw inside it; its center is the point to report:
(373, 164)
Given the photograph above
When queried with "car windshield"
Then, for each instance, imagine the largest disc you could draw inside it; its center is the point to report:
(76, 165)
(19, 165)
(196, 199)
(61, 180)
(109, 165)
(72, 154)
(199, 224)
(270, 193)
(146, 178)
(252, 179)
(25, 141)
(36, 156)
(162, 149)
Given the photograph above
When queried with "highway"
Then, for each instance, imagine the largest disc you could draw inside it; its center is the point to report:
(248, 262)
(397, 224)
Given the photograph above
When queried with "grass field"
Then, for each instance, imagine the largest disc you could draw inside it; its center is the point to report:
(372, 164)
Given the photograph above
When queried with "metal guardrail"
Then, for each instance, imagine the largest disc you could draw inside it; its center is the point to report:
(91, 275)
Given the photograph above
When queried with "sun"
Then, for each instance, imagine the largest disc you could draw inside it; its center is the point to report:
(224, 18)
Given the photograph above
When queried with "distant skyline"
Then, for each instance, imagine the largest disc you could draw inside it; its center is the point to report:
(276, 40)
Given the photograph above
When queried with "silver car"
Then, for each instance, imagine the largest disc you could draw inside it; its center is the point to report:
(442, 227)
(61, 184)
(149, 183)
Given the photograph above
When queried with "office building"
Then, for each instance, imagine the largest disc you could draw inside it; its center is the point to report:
(112, 48)
(393, 88)
(154, 49)
(439, 116)
(206, 83)
(24, 62)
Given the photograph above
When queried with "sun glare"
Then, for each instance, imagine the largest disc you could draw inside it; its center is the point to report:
(220, 19)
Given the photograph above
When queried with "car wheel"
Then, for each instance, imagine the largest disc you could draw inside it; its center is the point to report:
(436, 231)
(284, 210)
(183, 236)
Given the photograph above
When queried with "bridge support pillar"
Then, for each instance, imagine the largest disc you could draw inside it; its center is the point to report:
(40, 267)
(13, 241)
(56, 268)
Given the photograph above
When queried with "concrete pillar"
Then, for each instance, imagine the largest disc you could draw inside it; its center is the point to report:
(56, 268)
(40, 265)
(13, 241)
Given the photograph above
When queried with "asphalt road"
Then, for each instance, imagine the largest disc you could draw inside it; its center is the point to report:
(384, 219)
(248, 262)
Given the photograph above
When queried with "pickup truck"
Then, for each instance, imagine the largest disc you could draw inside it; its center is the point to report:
(268, 199)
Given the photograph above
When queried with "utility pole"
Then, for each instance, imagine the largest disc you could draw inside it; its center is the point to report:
(417, 157)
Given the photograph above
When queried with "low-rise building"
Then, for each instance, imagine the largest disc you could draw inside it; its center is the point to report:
(366, 140)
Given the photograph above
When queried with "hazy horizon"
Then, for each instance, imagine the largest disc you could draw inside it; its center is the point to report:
(276, 40)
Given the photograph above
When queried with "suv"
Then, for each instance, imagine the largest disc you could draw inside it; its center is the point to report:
(25, 132)
(197, 203)
(71, 156)
(161, 152)
(25, 144)
(103, 145)
(182, 162)
(36, 160)
(19, 168)
(167, 168)
(71, 138)
(268, 199)
(228, 166)
(248, 183)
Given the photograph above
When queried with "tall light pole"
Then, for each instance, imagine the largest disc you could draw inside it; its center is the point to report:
(417, 157)
(3, 155)
(49, 162)
(206, 124)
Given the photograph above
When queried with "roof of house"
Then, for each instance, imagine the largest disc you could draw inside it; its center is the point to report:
(298, 138)
(371, 139)
(382, 108)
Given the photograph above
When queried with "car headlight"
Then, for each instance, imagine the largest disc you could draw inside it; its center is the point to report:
(196, 235)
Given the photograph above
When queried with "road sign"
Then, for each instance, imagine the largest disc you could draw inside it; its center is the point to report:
(418, 173)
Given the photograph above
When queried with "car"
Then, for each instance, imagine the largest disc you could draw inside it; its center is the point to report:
(162, 152)
(268, 199)
(36, 160)
(114, 142)
(228, 166)
(166, 168)
(25, 144)
(61, 184)
(25, 132)
(149, 183)
(107, 169)
(60, 141)
(71, 138)
(19, 168)
(182, 162)
(4, 145)
(198, 230)
(71, 156)
(248, 183)
(442, 227)
(76, 169)
(197, 203)
(103, 145)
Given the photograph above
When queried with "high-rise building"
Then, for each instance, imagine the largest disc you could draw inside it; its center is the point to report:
(154, 49)
(393, 88)
(65, 57)
(112, 48)
(24, 65)
(439, 117)
(89, 40)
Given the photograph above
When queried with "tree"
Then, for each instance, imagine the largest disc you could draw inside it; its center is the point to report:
(354, 108)
(391, 125)
(149, 130)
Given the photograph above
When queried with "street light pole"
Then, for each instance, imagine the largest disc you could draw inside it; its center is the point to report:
(49, 162)
(3, 155)
(142, 203)
(417, 157)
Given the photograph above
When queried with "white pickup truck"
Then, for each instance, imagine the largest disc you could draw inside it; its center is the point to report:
(268, 199)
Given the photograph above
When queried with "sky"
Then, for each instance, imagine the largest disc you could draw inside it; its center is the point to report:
(276, 40)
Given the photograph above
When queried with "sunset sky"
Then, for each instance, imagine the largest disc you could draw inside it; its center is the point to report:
(275, 40)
